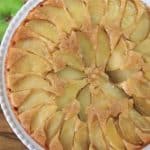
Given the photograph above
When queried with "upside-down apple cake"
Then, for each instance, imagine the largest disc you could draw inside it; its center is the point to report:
(78, 74)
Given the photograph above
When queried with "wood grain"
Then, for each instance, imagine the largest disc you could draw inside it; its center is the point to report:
(8, 140)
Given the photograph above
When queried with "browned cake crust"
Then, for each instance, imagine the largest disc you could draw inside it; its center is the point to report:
(78, 74)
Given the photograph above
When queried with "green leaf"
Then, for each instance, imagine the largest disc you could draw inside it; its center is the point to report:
(8, 8)
(3, 26)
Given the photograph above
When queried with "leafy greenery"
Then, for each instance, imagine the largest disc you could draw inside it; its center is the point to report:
(8, 8)
(3, 26)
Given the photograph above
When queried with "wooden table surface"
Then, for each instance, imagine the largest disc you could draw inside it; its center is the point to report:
(8, 140)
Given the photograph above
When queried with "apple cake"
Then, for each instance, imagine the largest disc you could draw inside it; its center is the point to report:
(78, 74)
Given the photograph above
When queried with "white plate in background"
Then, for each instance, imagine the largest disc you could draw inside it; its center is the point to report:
(147, 2)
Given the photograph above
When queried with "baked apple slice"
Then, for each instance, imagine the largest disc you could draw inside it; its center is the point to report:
(30, 63)
(41, 116)
(30, 81)
(17, 98)
(58, 16)
(142, 105)
(142, 123)
(67, 133)
(103, 48)
(112, 19)
(55, 143)
(78, 11)
(33, 45)
(112, 136)
(69, 93)
(120, 75)
(54, 125)
(45, 29)
(84, 98)
(97, 10)
(146, 71)
(86, 49)
(142, 28)
(143, 47)
(146, 58)
(118, 56)
(113, 10)
(137, 86)
(35, 98)
(66, 58)
(128, 130)
(69, 73)
(81, 138)
(110, 89)
(26, 117)
(129, 17)
(39, 120)
(96, 135)
(25, 33)
(132, 65)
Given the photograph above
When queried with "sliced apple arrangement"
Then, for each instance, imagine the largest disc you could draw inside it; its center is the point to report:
(78, 74)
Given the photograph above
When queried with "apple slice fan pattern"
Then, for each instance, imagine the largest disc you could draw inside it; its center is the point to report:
(78, 74)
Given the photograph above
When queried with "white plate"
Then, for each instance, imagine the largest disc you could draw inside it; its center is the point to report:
(6, 107)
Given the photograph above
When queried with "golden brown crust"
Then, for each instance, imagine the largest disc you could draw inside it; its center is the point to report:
(19, 97)
(26, 118)
(55, 143)
(40, 136)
